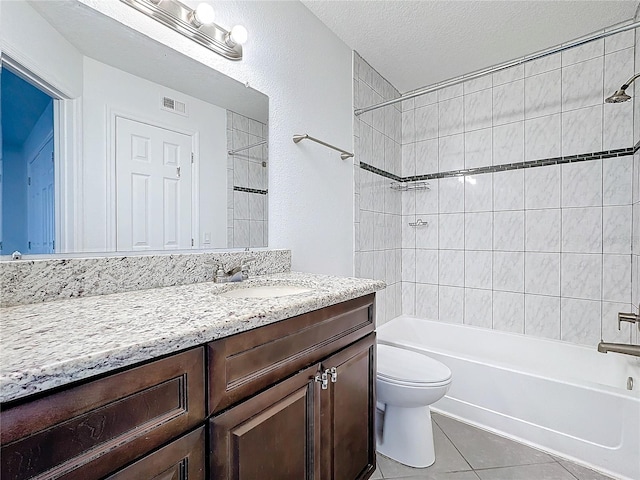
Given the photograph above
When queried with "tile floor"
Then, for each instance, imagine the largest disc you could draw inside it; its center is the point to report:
(464, 452)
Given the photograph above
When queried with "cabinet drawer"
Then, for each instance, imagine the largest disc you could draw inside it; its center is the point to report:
(182, 459)
(245, 363)
(91, 430)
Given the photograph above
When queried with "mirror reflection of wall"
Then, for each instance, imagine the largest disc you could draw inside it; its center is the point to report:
(27, 179)
(140, 144)
(247, 181)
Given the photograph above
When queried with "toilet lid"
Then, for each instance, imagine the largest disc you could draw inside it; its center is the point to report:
(407, 366)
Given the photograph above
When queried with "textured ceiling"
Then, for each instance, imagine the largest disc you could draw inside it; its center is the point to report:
(418, 43)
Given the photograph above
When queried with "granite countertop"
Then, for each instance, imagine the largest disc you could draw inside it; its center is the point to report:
(51, 344)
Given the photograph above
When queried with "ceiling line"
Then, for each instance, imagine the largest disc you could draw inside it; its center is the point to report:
(496, 68)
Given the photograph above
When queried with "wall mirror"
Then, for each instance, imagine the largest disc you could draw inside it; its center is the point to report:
(114, 142)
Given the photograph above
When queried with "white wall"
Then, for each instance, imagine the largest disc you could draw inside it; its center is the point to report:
(306, 72)
(109, 91)
(28, 39)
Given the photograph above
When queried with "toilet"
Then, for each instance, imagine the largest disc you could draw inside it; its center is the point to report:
(407, 382)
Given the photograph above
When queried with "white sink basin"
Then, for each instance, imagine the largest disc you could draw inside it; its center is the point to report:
(265, 291)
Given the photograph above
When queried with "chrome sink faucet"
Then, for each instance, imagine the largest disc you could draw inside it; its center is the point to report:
(237, 273)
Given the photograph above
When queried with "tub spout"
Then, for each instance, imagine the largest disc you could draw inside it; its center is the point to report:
(623, 348)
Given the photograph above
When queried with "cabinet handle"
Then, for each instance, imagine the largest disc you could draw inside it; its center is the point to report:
(323, 378)
(334, 374)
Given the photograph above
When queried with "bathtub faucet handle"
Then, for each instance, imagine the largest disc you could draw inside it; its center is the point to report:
(628, 317)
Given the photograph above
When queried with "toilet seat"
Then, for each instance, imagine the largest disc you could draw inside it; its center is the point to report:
(408, 368)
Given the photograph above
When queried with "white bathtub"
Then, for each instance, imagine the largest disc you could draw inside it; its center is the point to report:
(566, 399)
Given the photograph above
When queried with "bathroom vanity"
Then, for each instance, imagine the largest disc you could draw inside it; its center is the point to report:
(261, 395)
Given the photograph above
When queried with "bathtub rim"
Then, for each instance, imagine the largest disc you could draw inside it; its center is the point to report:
(574, 381)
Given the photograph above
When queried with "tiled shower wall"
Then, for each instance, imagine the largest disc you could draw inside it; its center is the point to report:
(378, 208)
(247, 175)
(545, 250)
(635, 264)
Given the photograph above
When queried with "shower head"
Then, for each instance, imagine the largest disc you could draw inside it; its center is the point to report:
(620, 95)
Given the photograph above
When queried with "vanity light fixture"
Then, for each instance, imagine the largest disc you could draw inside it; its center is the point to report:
(196, 24)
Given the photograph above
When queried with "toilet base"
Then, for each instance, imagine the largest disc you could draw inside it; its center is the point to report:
(407, 436)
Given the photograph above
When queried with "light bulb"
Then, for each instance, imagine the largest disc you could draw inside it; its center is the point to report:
(238, 35)
(202, 15)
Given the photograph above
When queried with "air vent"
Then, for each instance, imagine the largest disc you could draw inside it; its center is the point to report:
(175, 106)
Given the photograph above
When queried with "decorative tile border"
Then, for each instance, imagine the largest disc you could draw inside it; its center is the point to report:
(621, 152)
(250, 190)
(366, 166)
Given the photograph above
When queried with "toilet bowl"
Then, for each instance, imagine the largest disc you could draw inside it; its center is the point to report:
(407, 382)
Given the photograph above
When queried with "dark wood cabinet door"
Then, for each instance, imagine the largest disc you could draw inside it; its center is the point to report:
(348, 450)
(246, 363)
(182, 459)
(273, 435)
(91, 430)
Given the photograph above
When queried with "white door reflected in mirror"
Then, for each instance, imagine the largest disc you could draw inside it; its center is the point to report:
(154, 189)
